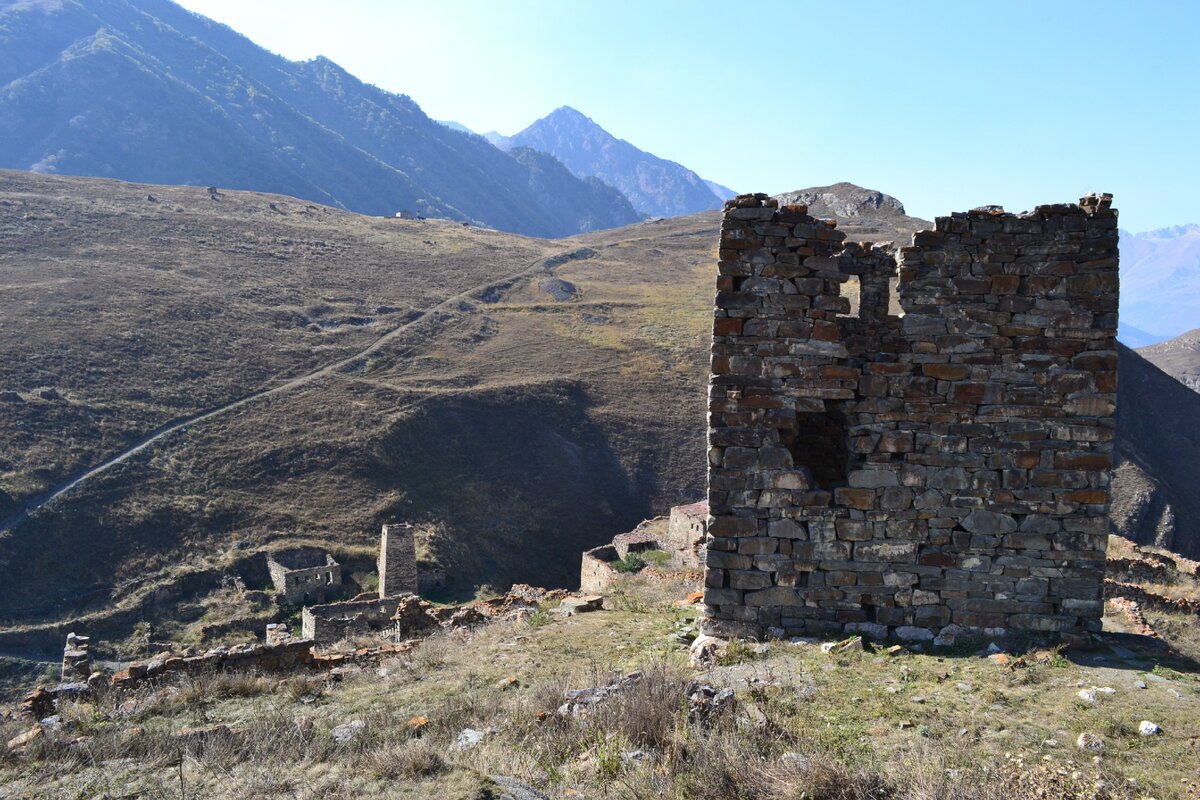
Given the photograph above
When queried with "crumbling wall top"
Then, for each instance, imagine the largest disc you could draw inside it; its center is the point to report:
(943, 467)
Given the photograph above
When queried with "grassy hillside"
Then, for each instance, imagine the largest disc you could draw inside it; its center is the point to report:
(858, 724)
(520, 400)
(505, 417)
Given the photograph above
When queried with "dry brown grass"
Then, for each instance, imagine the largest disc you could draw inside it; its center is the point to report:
(410, 760)
(812, 727)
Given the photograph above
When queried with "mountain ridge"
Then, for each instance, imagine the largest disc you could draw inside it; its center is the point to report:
(1160, 280)
(1178, 357)
(655, 186)
(150, 92)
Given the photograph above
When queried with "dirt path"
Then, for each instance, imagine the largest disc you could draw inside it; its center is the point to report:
(446, 308)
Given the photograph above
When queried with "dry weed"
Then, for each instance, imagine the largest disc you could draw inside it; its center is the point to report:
(411, 760)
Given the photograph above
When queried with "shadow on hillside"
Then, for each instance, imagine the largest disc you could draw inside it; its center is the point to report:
(517, 483)
(1158, 434)
(1134, 651)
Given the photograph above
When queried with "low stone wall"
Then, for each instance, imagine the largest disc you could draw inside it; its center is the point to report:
(408, 616)
(681, 536)
(328, 624)
(265, 657)
(286, 655)
(596, 576)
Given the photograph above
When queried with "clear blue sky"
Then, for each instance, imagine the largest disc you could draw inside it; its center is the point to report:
(944, 105)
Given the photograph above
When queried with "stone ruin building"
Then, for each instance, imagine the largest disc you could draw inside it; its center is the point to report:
(914, 474)
(397, 560)
(681, 536)
(304, 575)
(686, 530)
(366, 615)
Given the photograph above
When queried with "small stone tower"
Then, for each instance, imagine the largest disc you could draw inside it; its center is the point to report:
(397, 560)
(77, 660)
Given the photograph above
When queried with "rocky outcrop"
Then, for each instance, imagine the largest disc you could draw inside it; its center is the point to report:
(844, 201)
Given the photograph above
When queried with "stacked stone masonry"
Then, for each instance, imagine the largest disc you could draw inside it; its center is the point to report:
(685, 535)
(304, 575)
(681, 536)
(327, 624)
(397, 560)
(948, 467)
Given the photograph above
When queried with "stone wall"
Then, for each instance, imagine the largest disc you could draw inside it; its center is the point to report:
(915, 474)
(681, 535)
(596, 575)
(304, 574)
(397, 561)
(330, 623)
(685, 535)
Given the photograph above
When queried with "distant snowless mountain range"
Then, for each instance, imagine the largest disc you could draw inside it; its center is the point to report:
(144, 90)
(1160, 284)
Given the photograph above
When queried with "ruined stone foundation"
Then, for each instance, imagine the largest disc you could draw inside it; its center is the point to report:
(899, 474)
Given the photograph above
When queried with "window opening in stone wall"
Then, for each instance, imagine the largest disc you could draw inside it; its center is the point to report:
(894, 308)
(819, 444)
(851, 290)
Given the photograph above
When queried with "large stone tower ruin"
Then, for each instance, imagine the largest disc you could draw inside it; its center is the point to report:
(898, 474)
(397, 560)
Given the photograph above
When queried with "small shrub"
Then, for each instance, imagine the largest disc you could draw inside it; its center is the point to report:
(624, 600)
(430, 655)
(539, 619)
(736, 652)
(631, 563)
(414, 759)
(648, 712)
(1166, 672)
(302, 686)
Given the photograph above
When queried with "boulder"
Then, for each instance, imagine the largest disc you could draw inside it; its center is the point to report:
(27, 738)
(571, 606)
(343, 734)
(467, 739)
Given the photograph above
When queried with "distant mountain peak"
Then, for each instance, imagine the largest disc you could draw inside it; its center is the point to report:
(566, 112)
(1172, 232)
(566, 119)
(145, 90)
(655, 186)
